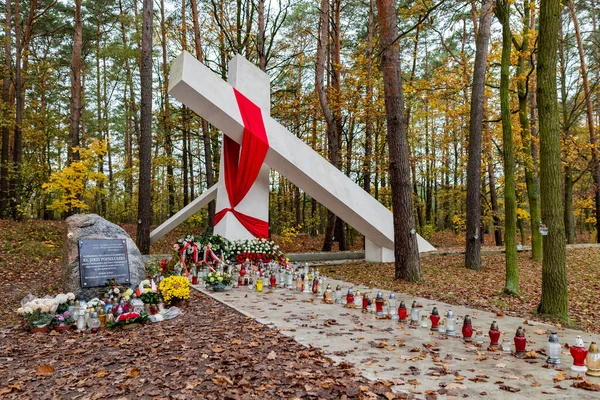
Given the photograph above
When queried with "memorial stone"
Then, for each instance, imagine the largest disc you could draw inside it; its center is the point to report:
(107, 250)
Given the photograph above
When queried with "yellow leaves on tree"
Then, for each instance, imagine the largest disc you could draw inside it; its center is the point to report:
(78, 182)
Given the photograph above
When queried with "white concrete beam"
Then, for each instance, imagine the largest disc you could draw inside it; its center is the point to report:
(192, 208)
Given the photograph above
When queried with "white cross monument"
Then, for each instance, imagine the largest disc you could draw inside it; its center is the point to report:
(204, 92)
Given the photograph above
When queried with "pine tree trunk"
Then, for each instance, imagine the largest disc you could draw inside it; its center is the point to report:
(406, 251)
(492, 179)
(369, 103)
(6, 82)
(473, 245)
(554, 300)
(590, 117)
(208, 161)
(529, 165)
(511, 285)
(74, 130)
(145, 146)
(167, 114)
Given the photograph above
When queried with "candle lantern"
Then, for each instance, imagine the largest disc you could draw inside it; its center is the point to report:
(358, 299)
(578, 352)
(298, 282)
(494, 333)
(328, 295)
(94, 322)
(392, 306)
(321, 287)
(305, 285)
(259, 282)
(479, 336)
(315, 286)
(290, 279)
(402, 312)
(553, 349)
(338, 294)
(250, 283)
(467, 328)
(273, 280)
(305, 268)
(194, 275)
(593, 360)
(138, 305)
(435, 319)
(520, 341)
(506, 345)
(365, 303)
(245, 268)
(236, 278)
(424, 323)
(414, 314)
(349, 298)
(317, 273)
(379, 304)
(450, 323)
(81, 320)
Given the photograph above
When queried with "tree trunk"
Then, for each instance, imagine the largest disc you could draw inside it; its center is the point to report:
(406, 251)
(145, 146)
(554, 300)
(5, 161)
(590, 117)
(332, 132)
(100, 196)
(75, 115)
(167, 113)
(529, 165)
(369, 103)
(492, 178)
(260, 39)
(473, 245)
(208, 163)
(511, 286)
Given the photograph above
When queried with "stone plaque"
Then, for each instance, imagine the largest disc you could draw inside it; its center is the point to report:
(101, 260)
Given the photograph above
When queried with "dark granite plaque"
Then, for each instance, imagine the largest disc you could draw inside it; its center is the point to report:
(101, 260)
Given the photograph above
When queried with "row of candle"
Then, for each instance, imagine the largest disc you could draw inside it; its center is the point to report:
(580, 355)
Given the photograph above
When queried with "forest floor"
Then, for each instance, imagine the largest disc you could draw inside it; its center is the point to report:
(208, 352)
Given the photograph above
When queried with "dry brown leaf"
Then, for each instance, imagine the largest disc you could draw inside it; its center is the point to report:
(222, 380)
(559, 377)
(272, 355)
(45, 369)
(217, 350)
(101, 374)
(133, 372)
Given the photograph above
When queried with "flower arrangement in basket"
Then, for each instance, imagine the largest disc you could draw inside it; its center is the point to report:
(218, 280)
(255, 250)
(39, 314)
(127, 320)
(175, 289)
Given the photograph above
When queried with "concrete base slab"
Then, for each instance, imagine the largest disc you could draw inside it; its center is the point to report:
(415, 360)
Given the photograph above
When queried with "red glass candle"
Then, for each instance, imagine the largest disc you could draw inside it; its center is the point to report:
(365, 302)
(315, 286)
(578, 353)
(194, 280)
(350, 298)
(243, 270)
(402, 312)
(273, 281)
(520, 341)
(467, 328)
(379, 306)
(240, 283)
(435, 319)
(494, 333)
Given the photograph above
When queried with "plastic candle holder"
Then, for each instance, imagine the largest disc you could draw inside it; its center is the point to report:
(553, 349)
(435, 319)
(578, 352)
(467, 328)
(494, 333)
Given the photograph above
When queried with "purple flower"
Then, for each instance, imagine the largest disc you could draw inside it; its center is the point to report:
(67, 314)
(60, 317)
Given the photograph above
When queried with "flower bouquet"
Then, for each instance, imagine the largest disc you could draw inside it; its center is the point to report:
(256, 250)
(218, 280)
(128, 320)
(175, 289)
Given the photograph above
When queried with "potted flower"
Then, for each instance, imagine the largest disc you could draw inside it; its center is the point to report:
(218, 281)
(128, 320)
(175, 289)
(63, 322)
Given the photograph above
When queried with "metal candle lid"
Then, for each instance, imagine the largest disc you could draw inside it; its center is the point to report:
(338, 287)
(449, 314)
(402, 305)
(553, 338)
(520, 332)
(329, 286)
(379, 296)
(593, 348)
(435, 311)
(392, 296)
(414, 304)
(467, 319)
(494, 326)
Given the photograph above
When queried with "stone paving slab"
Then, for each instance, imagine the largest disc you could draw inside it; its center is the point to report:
(416, 360)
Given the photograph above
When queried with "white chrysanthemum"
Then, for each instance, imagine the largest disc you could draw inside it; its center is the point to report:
(20, 311)
(27, 310)
(70, 296)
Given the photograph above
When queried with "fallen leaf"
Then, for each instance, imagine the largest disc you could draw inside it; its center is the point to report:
(133, 372)
(45, 369)
(217, 350)
(559, 377)
(510, 388)
(272, 355)
(586, 385)
(101, 374)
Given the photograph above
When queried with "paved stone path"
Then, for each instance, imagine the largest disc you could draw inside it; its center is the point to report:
(417, 361)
